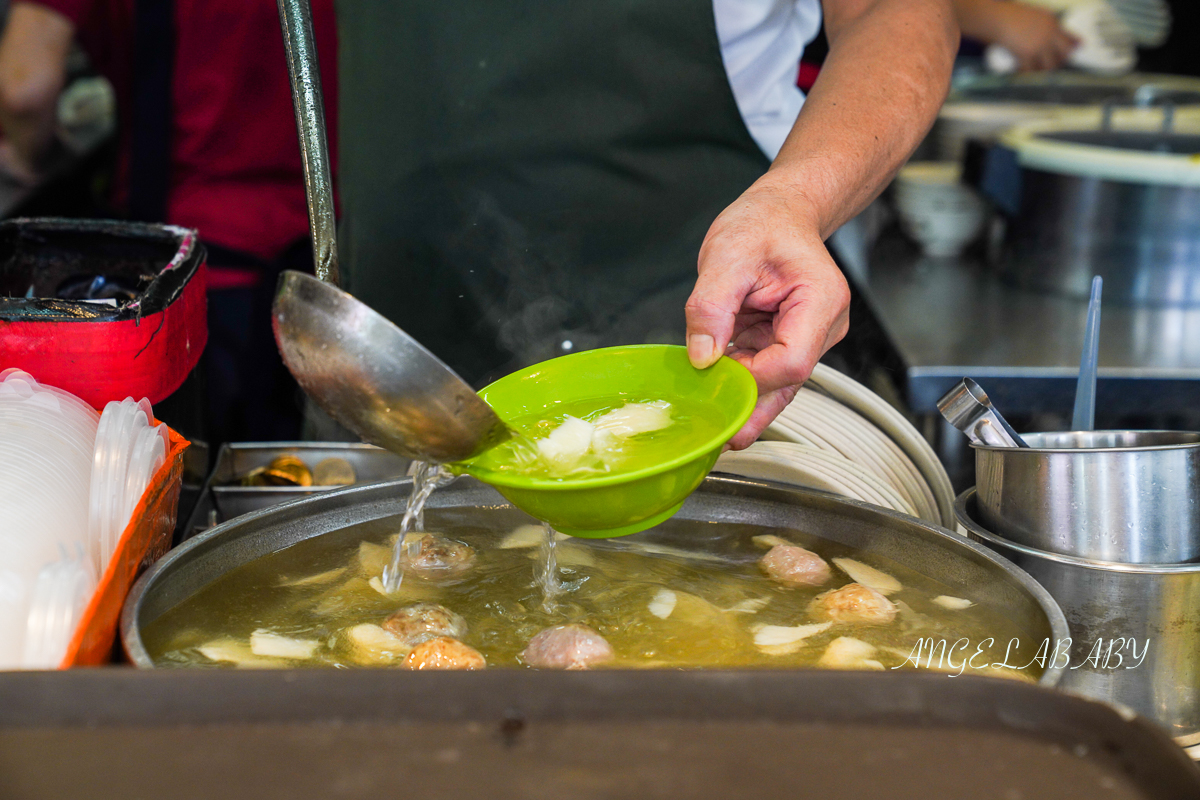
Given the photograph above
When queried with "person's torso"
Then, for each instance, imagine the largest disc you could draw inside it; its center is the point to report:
(761, 44)
(521, 177)
(236, 171)
(236, 165)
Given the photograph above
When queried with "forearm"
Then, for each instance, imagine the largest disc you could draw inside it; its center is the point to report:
(978, 19)
(33, 57)
(886, 76)
(1033, 35)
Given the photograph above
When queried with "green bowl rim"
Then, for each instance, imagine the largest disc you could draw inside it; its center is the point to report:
(741, 375)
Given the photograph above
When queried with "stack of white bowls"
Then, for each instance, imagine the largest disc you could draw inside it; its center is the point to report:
(839, 436)
(69, 481)
(936, 208)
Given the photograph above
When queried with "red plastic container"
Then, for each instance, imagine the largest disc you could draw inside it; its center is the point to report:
(144, 345)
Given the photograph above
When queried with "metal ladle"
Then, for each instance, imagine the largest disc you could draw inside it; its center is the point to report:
(361, 369)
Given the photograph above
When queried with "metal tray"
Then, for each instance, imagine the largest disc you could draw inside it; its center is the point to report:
(371, 465)
(506, 734)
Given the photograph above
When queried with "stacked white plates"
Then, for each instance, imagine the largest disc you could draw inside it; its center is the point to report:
(1149, 21)
(1106, 39)
(801, 465)
(70, 480)
(841, 431)
(1106, 42)
(886, 418)
(841, 437)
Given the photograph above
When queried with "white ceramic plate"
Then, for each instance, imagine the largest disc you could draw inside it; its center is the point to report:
(858, 397)
(849, 439)
(838, 469)
(749, 464)
(878, 450)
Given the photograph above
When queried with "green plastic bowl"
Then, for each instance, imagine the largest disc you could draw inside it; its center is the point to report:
(624, 503)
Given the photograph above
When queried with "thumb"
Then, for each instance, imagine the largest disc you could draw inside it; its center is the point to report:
(711, 311)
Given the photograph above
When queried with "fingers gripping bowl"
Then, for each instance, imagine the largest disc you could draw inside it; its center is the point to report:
(709, 407)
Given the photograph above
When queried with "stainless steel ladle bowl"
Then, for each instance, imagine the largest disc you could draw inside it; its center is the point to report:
(361, 369)
(374, 378)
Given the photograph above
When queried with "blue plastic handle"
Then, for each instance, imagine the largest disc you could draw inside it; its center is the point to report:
(1084, 418)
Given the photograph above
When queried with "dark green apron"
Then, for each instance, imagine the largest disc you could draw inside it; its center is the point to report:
(520, 179)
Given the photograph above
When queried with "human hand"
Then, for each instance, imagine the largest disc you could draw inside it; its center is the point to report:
(1033, 36)
(769, 295)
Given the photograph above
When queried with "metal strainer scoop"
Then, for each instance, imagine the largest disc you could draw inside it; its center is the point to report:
(968, 408)
(356, 365)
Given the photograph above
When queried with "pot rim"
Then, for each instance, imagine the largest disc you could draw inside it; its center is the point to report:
(1192, 445)
(968, 521)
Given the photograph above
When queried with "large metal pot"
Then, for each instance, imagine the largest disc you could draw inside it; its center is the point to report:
(953, 560)
(1108, 606)
(1120, 200)
(983, 107)
(1127, 496)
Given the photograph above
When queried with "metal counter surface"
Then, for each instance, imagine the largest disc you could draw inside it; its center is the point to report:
(507, 733)
(950, 318)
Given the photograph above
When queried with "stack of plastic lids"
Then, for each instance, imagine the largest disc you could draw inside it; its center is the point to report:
(46, 442)
(14, 603)
(69, 481)
(839, 436)
(129, 450)
(60, 595)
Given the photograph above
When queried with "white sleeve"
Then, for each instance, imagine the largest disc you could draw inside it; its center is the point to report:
(761, 43)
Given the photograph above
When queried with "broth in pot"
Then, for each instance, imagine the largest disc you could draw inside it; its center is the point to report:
(484, 587)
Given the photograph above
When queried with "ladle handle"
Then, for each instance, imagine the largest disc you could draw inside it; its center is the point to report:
(1084, 416)
(295, 16)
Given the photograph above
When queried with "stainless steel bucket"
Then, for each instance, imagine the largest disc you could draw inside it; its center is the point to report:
(1102, 195)
(1143, 238)
(1124, 496)
(1135, 627)
(965, 567)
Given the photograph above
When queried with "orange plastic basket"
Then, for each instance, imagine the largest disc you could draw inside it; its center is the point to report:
(145, 539)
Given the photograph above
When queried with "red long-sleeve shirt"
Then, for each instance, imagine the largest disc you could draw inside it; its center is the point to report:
(236, 173)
